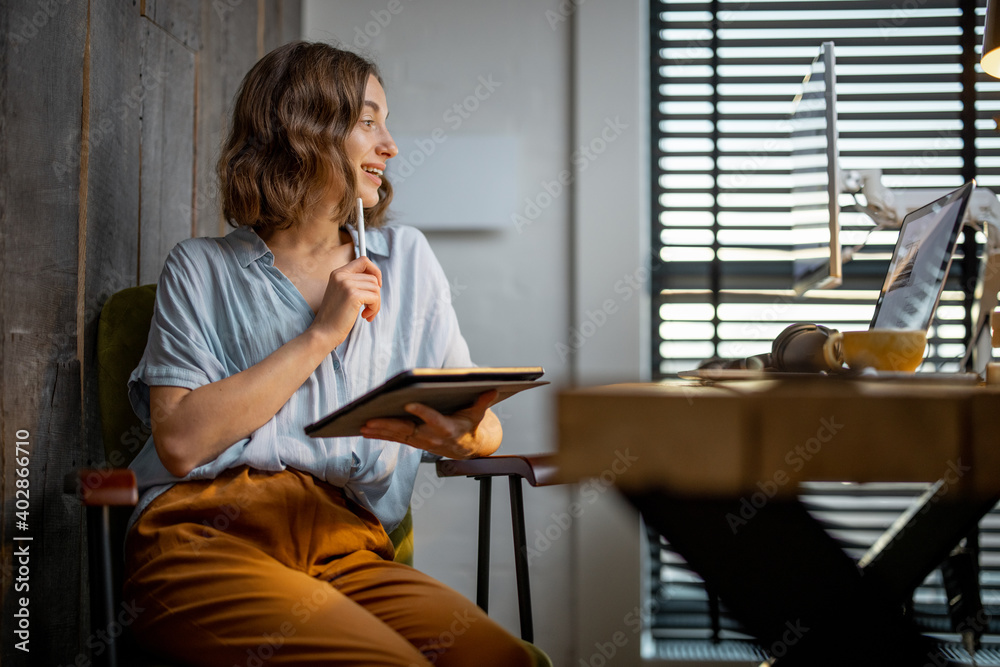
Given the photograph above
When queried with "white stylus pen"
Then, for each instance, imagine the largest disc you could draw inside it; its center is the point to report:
(361, 228)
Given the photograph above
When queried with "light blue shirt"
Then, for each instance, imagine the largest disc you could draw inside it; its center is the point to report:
(222, 306)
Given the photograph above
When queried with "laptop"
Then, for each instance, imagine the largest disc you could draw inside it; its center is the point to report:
(913, 282)
(920, 262)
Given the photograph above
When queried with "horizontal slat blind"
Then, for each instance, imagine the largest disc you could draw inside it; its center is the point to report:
(723, 77)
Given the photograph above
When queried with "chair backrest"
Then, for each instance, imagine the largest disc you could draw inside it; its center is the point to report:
(121, 339)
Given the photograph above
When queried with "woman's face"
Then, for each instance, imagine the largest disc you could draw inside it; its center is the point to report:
(369, 144)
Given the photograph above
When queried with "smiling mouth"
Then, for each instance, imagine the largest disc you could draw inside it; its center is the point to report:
(373, 170)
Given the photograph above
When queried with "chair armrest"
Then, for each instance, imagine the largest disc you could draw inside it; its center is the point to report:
(538, 470)
(96, 487)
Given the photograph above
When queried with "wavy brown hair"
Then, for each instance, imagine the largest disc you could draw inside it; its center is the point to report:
(285, 149)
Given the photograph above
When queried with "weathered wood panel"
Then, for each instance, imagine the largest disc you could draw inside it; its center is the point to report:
(117, 92)
(282, 23)
(40, 121)
(97, 113)
(291, 20)
(167, 140)
(229, 50)
(179, 18)
(271, 28)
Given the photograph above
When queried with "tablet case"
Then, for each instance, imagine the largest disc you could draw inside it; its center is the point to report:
(444, 389)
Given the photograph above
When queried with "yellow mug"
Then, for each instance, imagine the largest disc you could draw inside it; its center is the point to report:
(881, 349)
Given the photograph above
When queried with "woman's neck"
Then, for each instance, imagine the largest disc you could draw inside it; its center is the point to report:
(308, 238)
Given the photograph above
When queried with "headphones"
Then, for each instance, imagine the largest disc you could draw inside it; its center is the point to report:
(799, 349)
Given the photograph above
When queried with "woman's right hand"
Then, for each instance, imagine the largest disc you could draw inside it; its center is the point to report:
(352, 286)
(186, 429)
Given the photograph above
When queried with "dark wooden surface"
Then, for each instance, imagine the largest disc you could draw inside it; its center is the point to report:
(167, 141)
(181, 19)
(270, 33)
(291, 19)
(229, 50)
(41, 88)
(114, 101)
(99, 166)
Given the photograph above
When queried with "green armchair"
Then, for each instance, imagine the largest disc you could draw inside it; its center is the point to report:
(110, 493)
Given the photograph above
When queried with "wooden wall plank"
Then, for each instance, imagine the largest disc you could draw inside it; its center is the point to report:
(167, 141)
(282, 23)
(117, 92)
(93, 134)
(229, 50)
(291, 20)
(273, 27)
(179, 18)
(40, 106)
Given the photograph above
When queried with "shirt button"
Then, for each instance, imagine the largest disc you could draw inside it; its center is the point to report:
(336, 365)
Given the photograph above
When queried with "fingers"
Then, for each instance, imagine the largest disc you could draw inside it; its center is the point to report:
(364, 295)
(467, 419)
(363, 265)
(434, 434)
(461, 422)
(433, 429)
(364, 270)
(484, 402)
(428, 415)
(361, 289)
(396, 430)
(447, 435)
(369, 297)
(353, 286)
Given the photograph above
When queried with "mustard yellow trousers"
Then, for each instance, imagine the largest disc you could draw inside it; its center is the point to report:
(260, 568)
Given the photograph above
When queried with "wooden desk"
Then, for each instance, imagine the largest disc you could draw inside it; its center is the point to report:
(691, 458)
(729, 437)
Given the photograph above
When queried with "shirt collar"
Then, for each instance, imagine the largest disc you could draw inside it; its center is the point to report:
(374, 239)
(249, 247)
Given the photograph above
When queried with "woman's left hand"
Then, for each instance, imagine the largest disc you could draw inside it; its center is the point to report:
(469, 433)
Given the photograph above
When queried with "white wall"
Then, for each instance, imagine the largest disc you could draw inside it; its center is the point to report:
(610, 109)
(567, 72)
(512, 290)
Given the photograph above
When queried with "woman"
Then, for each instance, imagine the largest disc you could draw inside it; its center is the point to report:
(252, 542)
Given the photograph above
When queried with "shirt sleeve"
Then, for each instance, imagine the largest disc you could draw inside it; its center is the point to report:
(445, 335)
(456, 349)
(183, 349)
(453, 350)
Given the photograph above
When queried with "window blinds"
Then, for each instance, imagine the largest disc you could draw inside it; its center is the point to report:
(912, 102)
(723, 78)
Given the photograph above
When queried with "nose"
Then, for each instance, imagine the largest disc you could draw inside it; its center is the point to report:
(387, 147)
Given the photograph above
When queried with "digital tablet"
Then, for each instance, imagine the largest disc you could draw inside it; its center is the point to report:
(447, 390)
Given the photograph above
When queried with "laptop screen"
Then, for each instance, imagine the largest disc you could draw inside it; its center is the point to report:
(920, 262)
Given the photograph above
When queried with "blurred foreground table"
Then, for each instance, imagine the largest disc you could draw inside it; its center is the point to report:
(716, 470)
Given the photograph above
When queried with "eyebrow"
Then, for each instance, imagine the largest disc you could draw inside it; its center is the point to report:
(375, 106)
